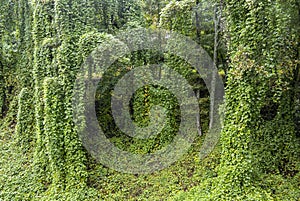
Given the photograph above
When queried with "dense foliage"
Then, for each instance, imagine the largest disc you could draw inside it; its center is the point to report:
(253, 43)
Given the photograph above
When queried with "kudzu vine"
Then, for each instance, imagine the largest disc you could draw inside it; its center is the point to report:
(56, 36)
(251, 143)
(43, 44)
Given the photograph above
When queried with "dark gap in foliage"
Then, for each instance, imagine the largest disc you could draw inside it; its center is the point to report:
(269, 111)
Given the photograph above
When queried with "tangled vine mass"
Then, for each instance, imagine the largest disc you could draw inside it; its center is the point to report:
(254, 45)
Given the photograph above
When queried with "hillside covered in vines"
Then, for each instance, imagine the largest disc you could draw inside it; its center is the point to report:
(242, 141)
